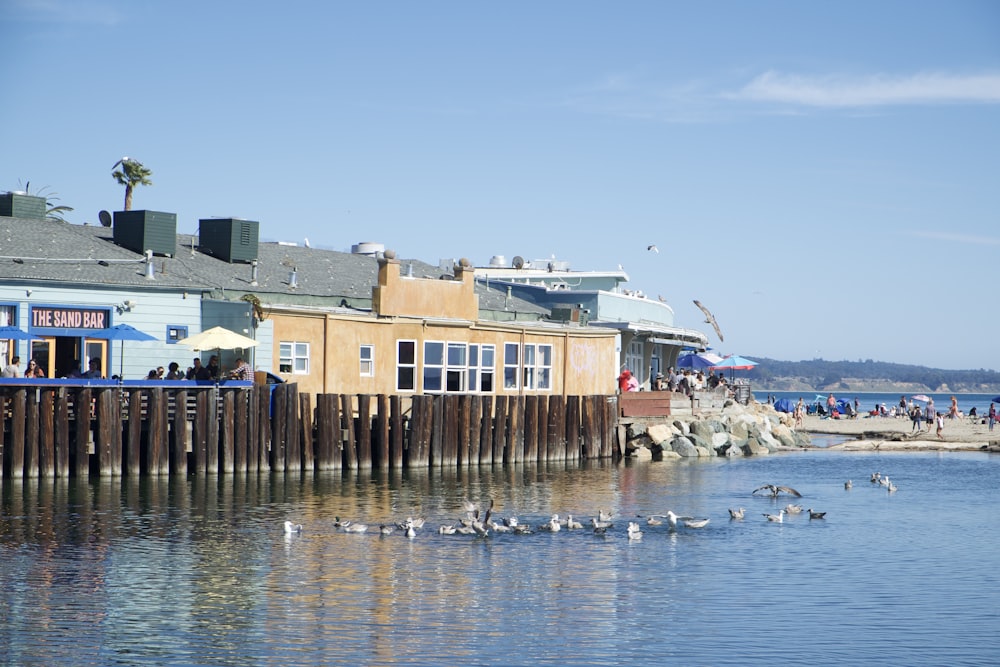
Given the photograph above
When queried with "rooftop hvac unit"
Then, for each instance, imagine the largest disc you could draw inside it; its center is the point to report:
(229, 239)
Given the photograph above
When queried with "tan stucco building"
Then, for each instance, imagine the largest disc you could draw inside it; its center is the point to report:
(425, 335)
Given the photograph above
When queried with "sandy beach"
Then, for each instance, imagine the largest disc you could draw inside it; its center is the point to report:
(889, 433)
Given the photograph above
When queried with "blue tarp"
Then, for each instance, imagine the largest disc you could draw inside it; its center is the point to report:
(784, 405)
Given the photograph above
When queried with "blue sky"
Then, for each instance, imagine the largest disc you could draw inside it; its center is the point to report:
(822, 175)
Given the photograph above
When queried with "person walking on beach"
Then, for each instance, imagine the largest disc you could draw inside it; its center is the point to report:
(902, 406)
(929, 414)
(800, 409)
(916, 418)
(940, 425)
(953, 410)
(992, 415)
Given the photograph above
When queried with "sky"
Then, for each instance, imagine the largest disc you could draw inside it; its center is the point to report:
(823, 176)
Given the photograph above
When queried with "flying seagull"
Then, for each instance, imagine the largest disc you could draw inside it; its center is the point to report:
(710, 319)
(653, 248)
(775, 490)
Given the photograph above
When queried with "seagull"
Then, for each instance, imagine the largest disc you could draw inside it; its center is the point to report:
(653, 248)
(696, 523)
(793, 509)
(410, 531)
(775, 490)
(292, 527)
(604, 515)
(385, 530)
(552, 524)
(654, 520)
(737, 513)
(779, 517)
(816, 515)
(306, 243)
(709, 319)
(500, 527)
(338, 523)
(600, 526)
(447, 530)
(892, 487)
(875, 477)
(848, 484)
(572, 524)
(634, 533)
(688, 521)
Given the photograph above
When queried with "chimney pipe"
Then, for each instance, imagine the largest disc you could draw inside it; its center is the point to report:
(293, 279)
(253, 273)
(150, 268)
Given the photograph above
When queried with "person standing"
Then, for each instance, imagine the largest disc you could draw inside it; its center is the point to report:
(992, 415)
(34, 370)
(916, 417)
(929, 414)
(831, 405)
(12, 369)
(902, 406)
(940, 424)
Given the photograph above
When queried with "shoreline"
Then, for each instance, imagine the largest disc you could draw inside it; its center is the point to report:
(894, 434)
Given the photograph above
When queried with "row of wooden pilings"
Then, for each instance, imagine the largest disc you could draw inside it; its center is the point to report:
(52, 430)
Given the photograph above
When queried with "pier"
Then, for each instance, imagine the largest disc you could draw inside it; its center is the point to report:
(63, 428)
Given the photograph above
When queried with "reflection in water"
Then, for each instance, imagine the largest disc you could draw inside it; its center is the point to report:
(200, 571)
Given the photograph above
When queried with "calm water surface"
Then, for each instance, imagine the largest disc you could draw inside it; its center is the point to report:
(199, 572)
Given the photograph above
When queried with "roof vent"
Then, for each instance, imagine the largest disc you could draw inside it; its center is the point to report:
(498, 262)
(370, 248)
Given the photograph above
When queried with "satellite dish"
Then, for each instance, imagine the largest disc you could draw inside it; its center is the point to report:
(105, 218)
(517, 262)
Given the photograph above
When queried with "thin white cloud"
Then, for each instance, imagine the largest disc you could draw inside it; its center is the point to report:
(872, 91)
(958, 238)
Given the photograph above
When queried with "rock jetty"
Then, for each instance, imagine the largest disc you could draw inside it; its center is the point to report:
(736, 430)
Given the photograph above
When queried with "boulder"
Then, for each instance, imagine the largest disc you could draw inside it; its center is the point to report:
(642, 454)
(660, 434)
(684, 447)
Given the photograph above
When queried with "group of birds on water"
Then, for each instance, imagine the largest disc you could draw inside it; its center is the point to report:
(482, 523)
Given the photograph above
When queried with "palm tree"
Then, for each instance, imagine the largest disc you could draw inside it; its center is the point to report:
(131, 174)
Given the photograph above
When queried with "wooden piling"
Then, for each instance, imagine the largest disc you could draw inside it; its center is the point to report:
(31, 454)
(572, 428)
(347, 422)
(227, 435)
(61, 433)
(81, 452)
(397, 432)
(306, 432)
(179, 431)
(46, 434)
(364, 431)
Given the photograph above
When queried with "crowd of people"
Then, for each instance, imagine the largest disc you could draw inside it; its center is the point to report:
(197, 371)
(682, 381)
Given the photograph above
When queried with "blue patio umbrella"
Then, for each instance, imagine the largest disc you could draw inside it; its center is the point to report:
(122, 332)
(14, 333)
(735, 362)
(693, 361)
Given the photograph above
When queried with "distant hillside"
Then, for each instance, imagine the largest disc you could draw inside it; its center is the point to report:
(867, 375)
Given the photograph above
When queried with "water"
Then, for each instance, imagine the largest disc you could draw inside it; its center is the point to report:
(198, 571)
(868, 400)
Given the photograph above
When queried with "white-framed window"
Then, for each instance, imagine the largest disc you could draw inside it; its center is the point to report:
(457, 371)
(537, 366)
(482, 360)
(511, 365)
(366, 359)
(293, 358)
(487, 368)
(433, 366)
(406, 365)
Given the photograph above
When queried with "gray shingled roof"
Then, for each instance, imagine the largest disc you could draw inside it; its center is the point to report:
(50, 250)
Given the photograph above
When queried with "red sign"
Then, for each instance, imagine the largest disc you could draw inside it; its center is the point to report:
(69, 318)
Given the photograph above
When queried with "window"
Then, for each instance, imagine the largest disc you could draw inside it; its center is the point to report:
(487, 365)
(457, 372)
(8, 317)
(543, 367)
(176, 333)
(293, 358)
(406, 365)
(511, 365)
(529, 366)
(433, 365)
(366, 356)
(537, 366)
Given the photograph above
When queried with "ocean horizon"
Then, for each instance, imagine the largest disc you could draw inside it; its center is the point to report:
(868, 400)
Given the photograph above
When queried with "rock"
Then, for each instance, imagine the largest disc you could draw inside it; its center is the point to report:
(684, 447)
(659, 434)
(642, 454)
(636, 429)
